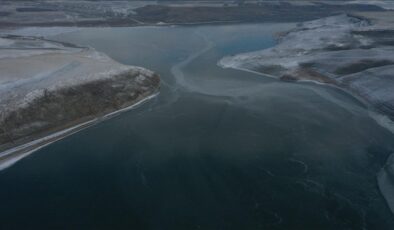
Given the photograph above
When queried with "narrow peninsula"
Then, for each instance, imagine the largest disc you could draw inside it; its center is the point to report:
(50, 89)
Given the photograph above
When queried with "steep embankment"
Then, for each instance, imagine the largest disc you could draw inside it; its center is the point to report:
(47, 87)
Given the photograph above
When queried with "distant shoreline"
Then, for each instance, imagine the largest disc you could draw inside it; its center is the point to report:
(124, 14)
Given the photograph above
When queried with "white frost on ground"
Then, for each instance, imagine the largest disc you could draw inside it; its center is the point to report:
(307, 37)
(40, 31)
(32, 66)
(47, 140)
(388, 4)
(48, 66)
(383, 120)
(343, 50)
(376, 84)
(336, 50)
(69, 12)
(386, 181)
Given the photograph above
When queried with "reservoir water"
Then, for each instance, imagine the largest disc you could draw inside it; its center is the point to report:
(216, 149)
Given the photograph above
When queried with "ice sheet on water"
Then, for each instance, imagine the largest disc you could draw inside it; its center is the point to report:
(386, 182)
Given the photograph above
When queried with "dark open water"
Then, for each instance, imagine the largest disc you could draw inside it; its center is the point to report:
(217, 149)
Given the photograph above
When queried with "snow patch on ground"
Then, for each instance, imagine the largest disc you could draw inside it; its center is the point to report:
(40, 31)
(48, 65)
(388, 5)
(386, 182)
(307, 37)
(383, 121)
(340, 50)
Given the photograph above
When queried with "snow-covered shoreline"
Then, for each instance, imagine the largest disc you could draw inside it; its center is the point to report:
(61, 89)
(340, 50)
(345, 51)
(13, 155)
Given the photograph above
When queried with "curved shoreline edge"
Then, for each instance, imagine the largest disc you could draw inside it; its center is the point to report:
(61, 89)
(13, 155)
(380, 118)
(385, 177)
(353, 53)
(349, 52)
